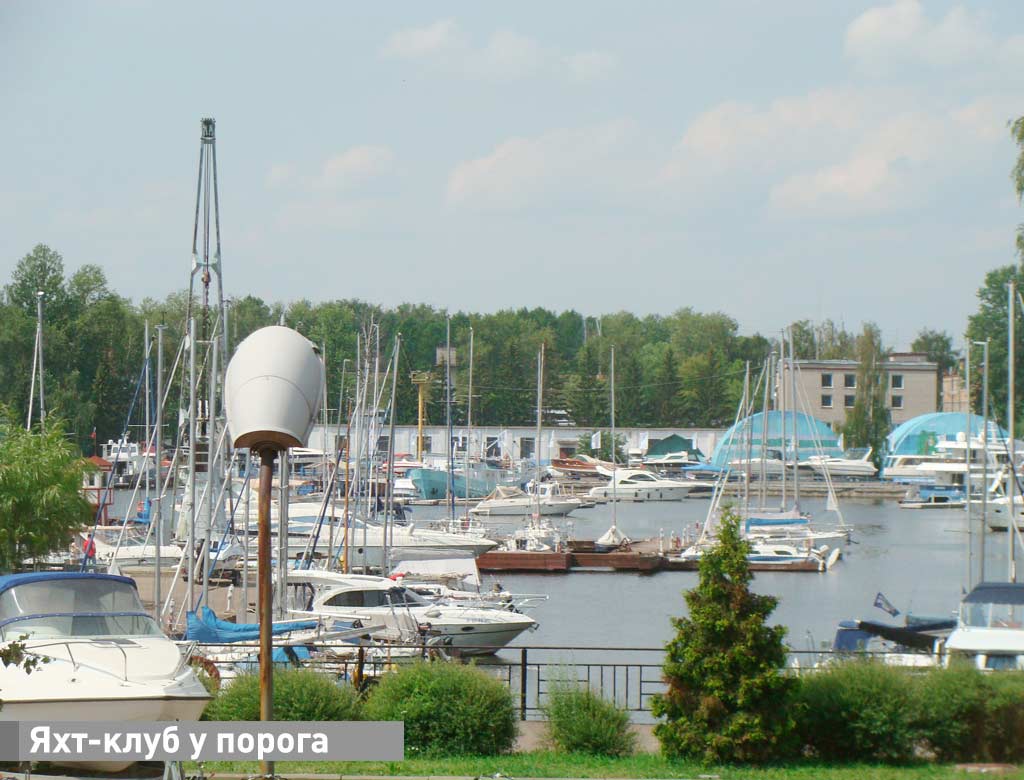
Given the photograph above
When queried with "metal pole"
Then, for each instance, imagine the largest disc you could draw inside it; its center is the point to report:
(782, 404)
(450, 486)
(190, 568)
(245, 540)
(615, 471)
(984, 457)
(796, 428)
(1011, 368)
(148, 379)
(266, 596)
(158, 459)
(469, 413)
(42, 396)
(284, 477)
(967, 466)
(389, 519)
(346, 545)
(212, 472)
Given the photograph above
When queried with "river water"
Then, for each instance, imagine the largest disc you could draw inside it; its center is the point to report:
(917, 558)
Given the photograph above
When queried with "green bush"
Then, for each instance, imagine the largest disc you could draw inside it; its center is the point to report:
(857, 711)
(1004, 726)
(299, 694)
(952, 712)
(580, 721)
(448, 709)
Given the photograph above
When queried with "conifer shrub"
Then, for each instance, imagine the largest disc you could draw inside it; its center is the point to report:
(858, 711)
(728, 699)
(448, 709)
(299, 694)
(581, 721)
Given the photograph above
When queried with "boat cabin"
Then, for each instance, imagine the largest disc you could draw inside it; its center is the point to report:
(990, 627)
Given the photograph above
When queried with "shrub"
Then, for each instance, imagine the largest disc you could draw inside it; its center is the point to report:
(299, 694)
(952, 710)
(727, 697)
(448, 709)
(1004, 732)
(580, 721)
(857, 711)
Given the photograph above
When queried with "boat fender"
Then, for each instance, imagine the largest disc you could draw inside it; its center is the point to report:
(197, 661)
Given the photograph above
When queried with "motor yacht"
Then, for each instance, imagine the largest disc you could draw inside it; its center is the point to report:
(854, 464)
(381, 601)
(546, 498)
(990, 626)
(108, 658)
(640, 485)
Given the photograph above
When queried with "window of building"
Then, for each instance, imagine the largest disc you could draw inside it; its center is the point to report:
(849, 401)
(897, 381)
(382, 443)
(459, 443)
(826, 401)
(850, 380)
(526, 447)
(897, 402)
(826, 381)
(425, 444)
(492, 447)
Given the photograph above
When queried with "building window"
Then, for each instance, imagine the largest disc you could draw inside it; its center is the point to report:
(459, 443)
(382, 443)
(897, 381)
(897, 402)
(826, 401)
(492, 447)
(849, 401)
(849, 381)
(526, 447)
(425, 444)
(826, 382)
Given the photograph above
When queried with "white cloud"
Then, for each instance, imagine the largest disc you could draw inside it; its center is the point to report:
(576, 163)
(417, 42)
(586, 66)
(280, 174)
(355, 166)
(901, 32)
(506, 55)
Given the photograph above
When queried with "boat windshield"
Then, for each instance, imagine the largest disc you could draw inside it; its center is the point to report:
(74, 608)
(985, 615)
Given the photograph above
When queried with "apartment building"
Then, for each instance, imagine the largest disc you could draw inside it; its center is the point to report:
(829, 387)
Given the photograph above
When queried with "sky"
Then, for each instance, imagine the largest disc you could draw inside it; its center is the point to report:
(773, 161)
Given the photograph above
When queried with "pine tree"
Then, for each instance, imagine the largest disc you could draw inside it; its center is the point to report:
(727, 695)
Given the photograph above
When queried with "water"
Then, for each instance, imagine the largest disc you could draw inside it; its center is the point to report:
(917, 558)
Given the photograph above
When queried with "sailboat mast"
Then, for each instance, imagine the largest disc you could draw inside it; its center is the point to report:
(1011, 367)
(967, 467)
(796, 434)
(469, 412)
(389, 520)
(984, 459)
(762, 495)
(448, 416)
(782, 405)
(615, 501)
(748, 430)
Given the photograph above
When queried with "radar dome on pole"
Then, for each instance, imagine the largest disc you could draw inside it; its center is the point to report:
(273, 389)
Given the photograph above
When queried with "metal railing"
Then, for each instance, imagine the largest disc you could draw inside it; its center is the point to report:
(627, 676)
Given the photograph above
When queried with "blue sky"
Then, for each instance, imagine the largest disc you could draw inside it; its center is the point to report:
(775, 161)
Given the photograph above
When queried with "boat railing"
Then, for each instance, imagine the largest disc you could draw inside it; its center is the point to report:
(67, 643)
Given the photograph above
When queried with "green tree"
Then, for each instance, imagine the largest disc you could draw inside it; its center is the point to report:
(938, 346)
(708, 393)
(604, 452)
(1017, 174)
(989, 322)
(868, 422)
(41, 502)
(41, 270)
(727, 695)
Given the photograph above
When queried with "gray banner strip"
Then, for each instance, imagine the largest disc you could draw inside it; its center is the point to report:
(200, 741)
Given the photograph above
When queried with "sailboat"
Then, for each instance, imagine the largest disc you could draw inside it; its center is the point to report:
(612, 539)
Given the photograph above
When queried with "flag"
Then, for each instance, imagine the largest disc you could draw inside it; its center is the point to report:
(93, 434)
(645, 440)
(884, 604)
(595, 440)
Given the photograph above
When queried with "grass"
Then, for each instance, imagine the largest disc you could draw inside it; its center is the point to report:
(572, 765)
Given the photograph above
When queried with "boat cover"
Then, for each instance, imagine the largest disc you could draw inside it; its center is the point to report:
(208, 628)
(996, 593)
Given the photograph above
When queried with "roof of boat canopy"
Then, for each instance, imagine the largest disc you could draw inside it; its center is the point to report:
(919, 435)
(814, 437)
(996, 593)
(8, 581)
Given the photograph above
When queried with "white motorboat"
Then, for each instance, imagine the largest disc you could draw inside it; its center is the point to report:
(127, 546)
(366, 540)
(544, 499)
(640, 485)
(109, 660)
(990, 626)
(854, 464)
(765, 555)
(381, 601)
(772, 463)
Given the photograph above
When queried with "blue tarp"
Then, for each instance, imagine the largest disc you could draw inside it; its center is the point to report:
(207, 627)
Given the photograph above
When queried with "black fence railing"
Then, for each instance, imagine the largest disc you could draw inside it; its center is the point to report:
(627, 676)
